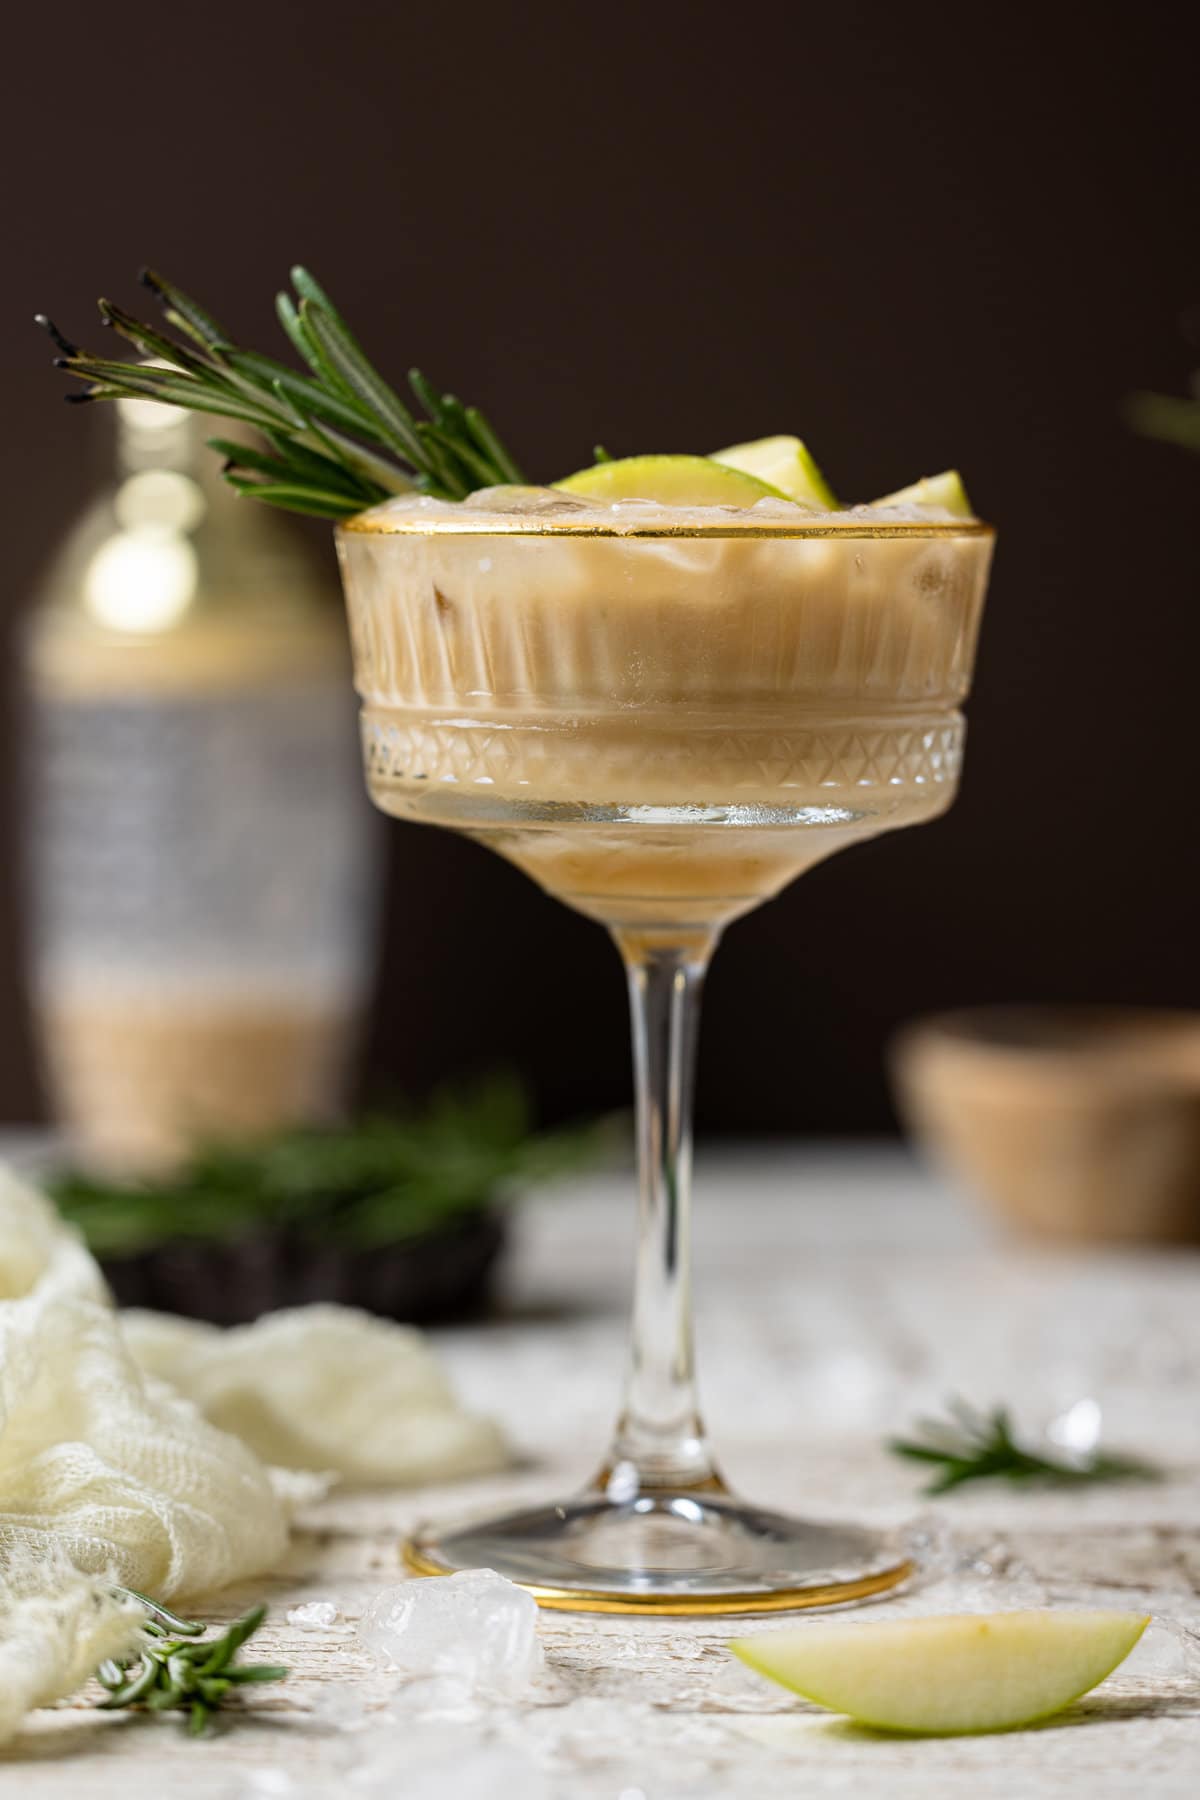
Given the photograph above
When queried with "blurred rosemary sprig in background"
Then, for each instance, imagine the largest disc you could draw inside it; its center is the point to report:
(1170, 418)
(387, 1179)
(336, 439)
(969, 1445)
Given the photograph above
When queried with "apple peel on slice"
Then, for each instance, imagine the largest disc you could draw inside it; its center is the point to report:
(945, 492)
(966, 1672)
(786, 463)
(671, 480)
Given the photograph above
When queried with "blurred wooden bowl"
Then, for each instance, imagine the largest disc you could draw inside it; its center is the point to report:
(1075, 1123)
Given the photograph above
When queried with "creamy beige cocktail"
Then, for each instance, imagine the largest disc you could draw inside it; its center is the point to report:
(662, 714)
(663, 688)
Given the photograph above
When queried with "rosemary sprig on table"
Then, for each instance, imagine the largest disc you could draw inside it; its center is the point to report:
(335, 439)
(178, 1667)
(970, 1445)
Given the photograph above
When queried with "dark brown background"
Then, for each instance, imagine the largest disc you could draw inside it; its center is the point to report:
(917, 237)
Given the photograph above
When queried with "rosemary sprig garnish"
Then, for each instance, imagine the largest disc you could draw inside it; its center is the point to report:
(970, 1445)
(178, 1667)
(336, 439)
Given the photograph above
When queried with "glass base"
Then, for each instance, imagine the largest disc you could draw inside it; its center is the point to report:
(667, 1552)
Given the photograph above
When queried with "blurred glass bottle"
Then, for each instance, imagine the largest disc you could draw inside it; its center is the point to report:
(201, 860)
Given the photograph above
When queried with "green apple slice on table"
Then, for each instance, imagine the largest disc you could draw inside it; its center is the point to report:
(784, 462)
(945, 491)
(673, 480)
(969, 1672)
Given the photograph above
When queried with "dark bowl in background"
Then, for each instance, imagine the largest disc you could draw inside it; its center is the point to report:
(431, 1280)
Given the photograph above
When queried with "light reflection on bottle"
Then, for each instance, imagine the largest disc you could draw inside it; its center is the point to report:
(141, 580)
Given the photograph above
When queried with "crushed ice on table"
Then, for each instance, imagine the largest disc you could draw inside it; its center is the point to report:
(270, 1784)
(341, 1706)
(441, 1697)
(611, 1747)
(314, 1615)
(476, 1628)
(589, 1729)
(416, 1762)
(444, 1762)
(474, 1773)
(1077, 1430)
(1166, 1650)
(957, 1574)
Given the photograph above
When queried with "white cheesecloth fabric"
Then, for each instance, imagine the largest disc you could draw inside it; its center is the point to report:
(325, 1388)
(56, 1627)
(107, 1469)
(96, 1458)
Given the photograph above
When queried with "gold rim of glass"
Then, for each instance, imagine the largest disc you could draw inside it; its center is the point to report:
(416, 1558)
(368, 525)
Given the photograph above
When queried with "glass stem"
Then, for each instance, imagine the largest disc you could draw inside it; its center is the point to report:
(660, 1441)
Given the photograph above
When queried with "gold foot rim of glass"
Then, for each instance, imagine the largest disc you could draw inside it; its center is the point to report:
(700, 1558)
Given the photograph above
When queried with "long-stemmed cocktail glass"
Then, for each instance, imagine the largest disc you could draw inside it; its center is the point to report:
(662, 720)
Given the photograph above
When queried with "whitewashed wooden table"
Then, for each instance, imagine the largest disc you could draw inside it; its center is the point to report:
(839, 1292)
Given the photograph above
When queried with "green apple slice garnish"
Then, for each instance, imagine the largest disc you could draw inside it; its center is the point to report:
(945, 491)
(964, 1673)
(785, 463)
(673, 480)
